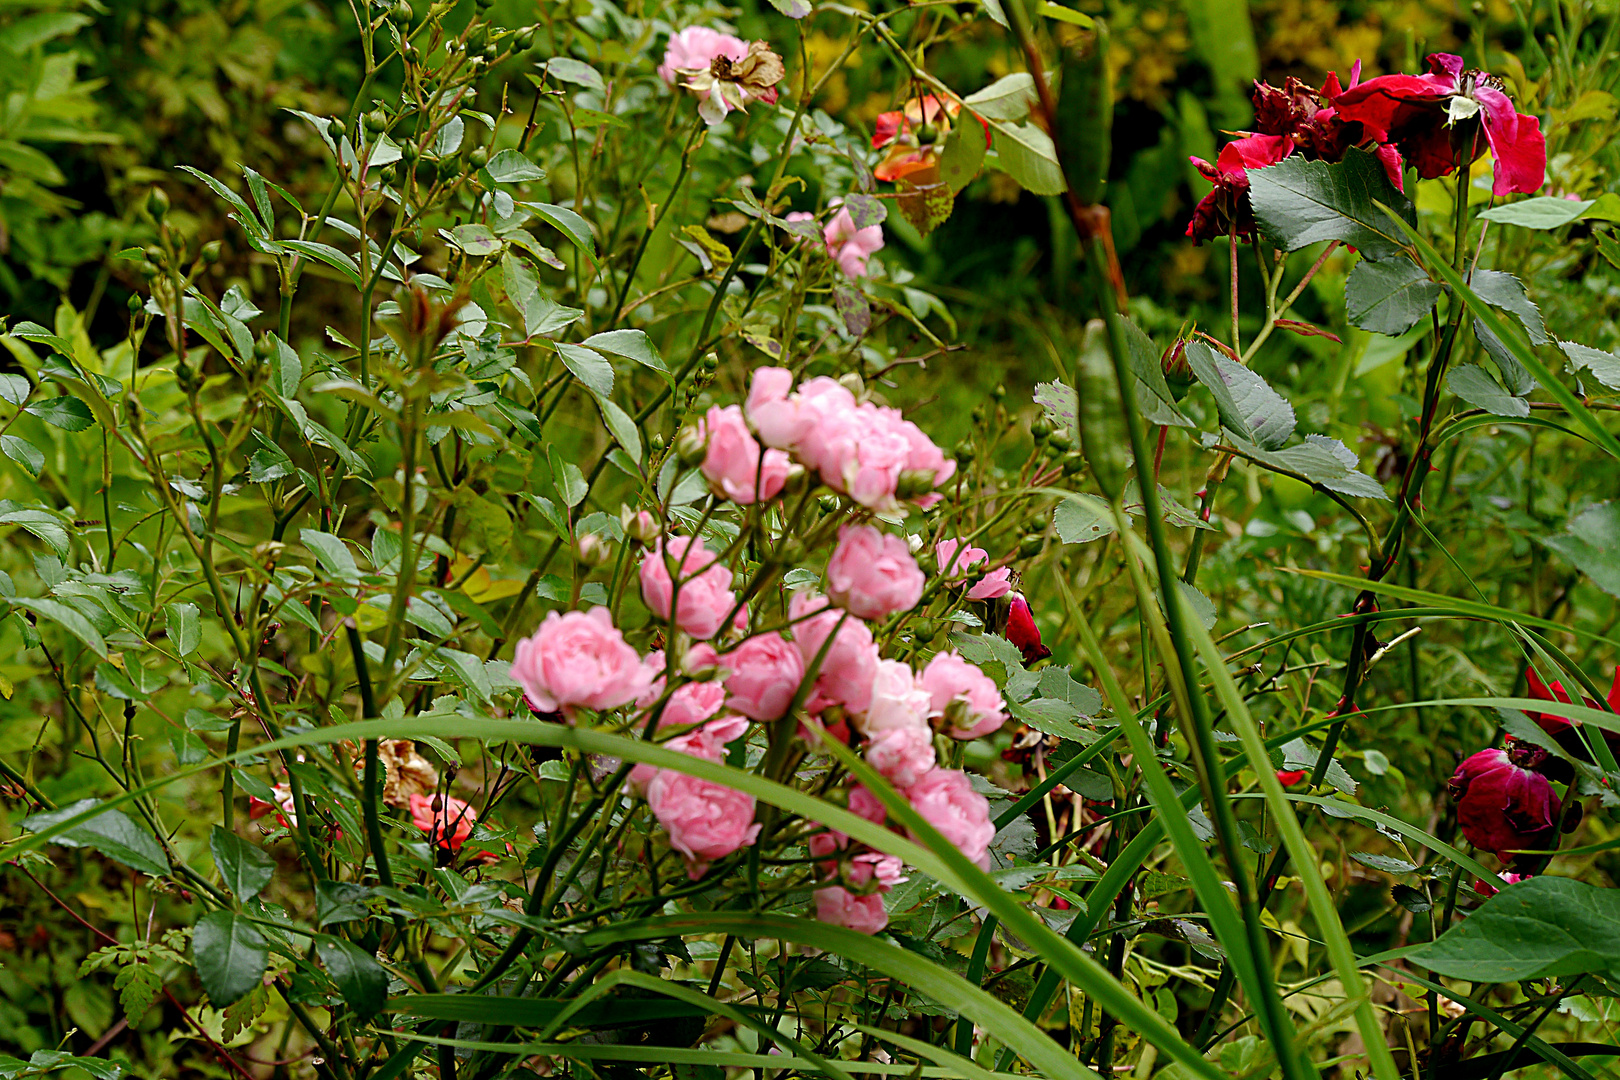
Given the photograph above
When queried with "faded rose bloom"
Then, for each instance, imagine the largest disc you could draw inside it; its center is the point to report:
(1444, 119)
(408, 772)
(902, 755)
(766, 671)
(957, 560)
(705, 821)
(946, 800)
(1225, 211)
(695, 48)
(705, 596)
(1503, 804)
(898, 701)
(847, 670)
(732, 462)
(446, 821)
(903, 131)
(838, 906)
(872, 574)
(726, 83)
(578, 659)
(963, 697)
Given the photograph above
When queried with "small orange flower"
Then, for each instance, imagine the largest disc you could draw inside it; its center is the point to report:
(903, 131)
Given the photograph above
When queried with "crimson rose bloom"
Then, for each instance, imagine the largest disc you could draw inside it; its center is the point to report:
(1446, 119)
(1560, 728)
(1020, 629)
(1225, 210)
(1503, 804)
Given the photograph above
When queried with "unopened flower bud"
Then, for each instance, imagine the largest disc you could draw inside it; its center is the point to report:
(478, 158)
(402, 11)
(1073, 464)
(1061, 439)
(964, 451)
(999, 392)
(157, 203)
(853, 383)
(388, 174)
(1177, 371)
(914, 483)
(336, 129)
(591, 550)
(914, 542)
(264, 348)
(375, 121)
(710, 362)
(690, 446)
(978, 415)
(924, 630)
(135, 303)
(211, 251)
(639, 525)
(449, 169)
(927, 135)
(408, 153)
(828, 503)
(658, 442)
(1031, 545)
(525, 38)
(1040, 430)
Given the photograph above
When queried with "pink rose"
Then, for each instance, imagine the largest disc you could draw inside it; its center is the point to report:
(732, 462)
(838, 906)
(827, 420)
(697, 47)
(946, 800)
(770, 408)
(707, 742)
(867, 805)
(872, 574)
(964, 696)
(846, 672)
(705, 821)
(705, 588)
(869, 866)
(925, 460)
(851, 247)
(877, 451)
(957, 560)
(577, 659)
(766, 671)
(902, 755)
(448, 822)
(898, 701)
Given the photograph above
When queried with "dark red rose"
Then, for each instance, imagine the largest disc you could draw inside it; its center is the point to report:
(1225, 210)
(1503, 803)
(1022, 631)
(1562, 729)
(1447, 118)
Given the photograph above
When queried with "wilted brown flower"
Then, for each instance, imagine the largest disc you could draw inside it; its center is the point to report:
(728, 84)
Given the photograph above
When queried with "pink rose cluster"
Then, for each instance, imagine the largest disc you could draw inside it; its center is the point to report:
(868, 452)
(848, 246)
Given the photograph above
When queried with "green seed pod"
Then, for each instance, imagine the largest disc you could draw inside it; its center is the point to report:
(1073, 464)
(408, 153)
(336, 129)
(1085, 116)
(964, 451)
(409, 52)
(828, 503)
(376, 121)
(1103, 437)
(264, 348)
(402, 12)
(978, 416)
(1060, 440)
(387, 174)
(1040, 430)
(478, 158)
(1030, 546)
(211, 252)
(525, 38)
(157, 203)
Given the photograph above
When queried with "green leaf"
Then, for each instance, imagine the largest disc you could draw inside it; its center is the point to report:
(69, 619)
(110, 832)
(1603, 366)
(573, 71)
(1247, 404)
(67, 413)
(1081, 518)
(1514, 376)
(622, 427)
(244, 868)
(1153, 396)
(286, 369)
(329, 255)
(14, 389)
(360, 979)
(185, 630)
(1299, 202)
(633, 345)
(114, 683)
(511, 167)
(1501, 289)
(588, 367)
(569, 480)
(1479, 388)
(793, 9)
(339, 901)
(1388, 297)
(1544, 212)
(1319, 460)
(1542, 928)
(230, 956)
(962, 155)
(332, 553)
(1025, 153)
(24, 453)
(1008, 98)
(479, 241)
(570, 224)
(1592, 545)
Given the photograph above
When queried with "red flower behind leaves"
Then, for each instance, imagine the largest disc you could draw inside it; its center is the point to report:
(902, 129)
(1503, 803)
(1022, 631)
(1225, 211)
(1448, 117)
(1562, 729)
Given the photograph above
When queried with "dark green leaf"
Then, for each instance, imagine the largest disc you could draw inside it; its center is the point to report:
(1603, 366)
(360, 979)
(1501, 289)
(244, 868)
(568, 223)
(1518, 381)
(67, 413)
(69, 619)
(1388, 297)
(185, 631)
(1475, 385)
(1322, 460)
(230, 956)
(110, 832)
(339, 901)
(114, 683)
(1546, 927)
(1592, 545)
(24, 453)
(1387, 863)
(1247, 404)
(1299, 202)
(1153, 397)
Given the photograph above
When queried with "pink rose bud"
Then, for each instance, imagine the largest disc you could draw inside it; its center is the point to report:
(946, 800)
(446, 821)
(705, 821)
(837, 906)
(952, 681)
(766, 671)
(872, 574)
(638, 525)
(705, 587)
(732, 463)
(578, 659)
